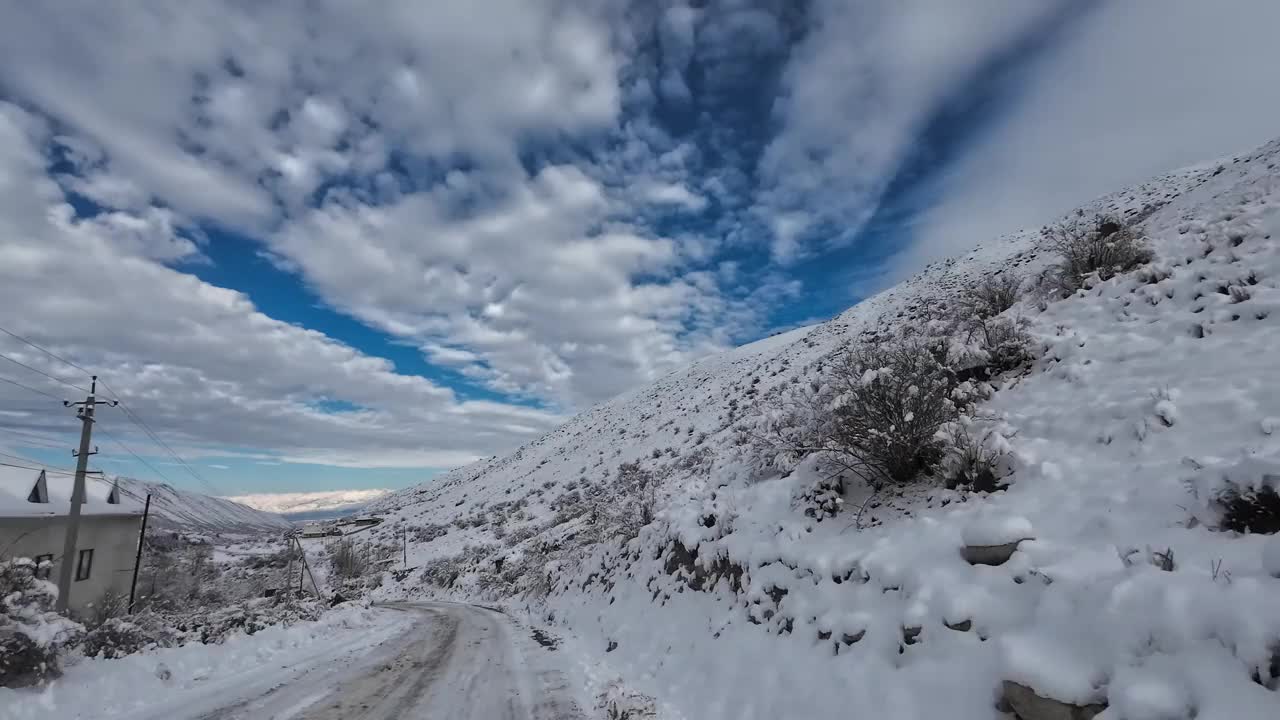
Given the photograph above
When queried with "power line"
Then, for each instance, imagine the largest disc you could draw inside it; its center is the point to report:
(28, 387)
(154, 437)
(129, 450)
(26, 467)
(34, 440)
(50, 353)
(41, 372)
(32, 435)
(115, 484)
(42, 465)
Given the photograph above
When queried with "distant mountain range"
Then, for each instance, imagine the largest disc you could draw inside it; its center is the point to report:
(321, 505)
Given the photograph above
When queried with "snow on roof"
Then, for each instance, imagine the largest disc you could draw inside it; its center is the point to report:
(16, 485)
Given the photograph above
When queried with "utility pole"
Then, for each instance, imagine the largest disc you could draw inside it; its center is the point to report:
(288, 574)
(69, 559)
(137, 560)
(405, 546)
(306, 566)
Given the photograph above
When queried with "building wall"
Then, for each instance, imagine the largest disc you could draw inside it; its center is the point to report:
(113, 539)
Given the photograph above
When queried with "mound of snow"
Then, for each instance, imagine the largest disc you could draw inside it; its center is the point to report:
(997, 530)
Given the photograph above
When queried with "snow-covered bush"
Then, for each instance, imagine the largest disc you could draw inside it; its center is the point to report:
(636, 500)
(440, 572)
(32, 636)
(876, 413)
(975, 458)
(117, 637)
(992, 295)
(346, 561)
(1091, 249)
(248, 617)
(982, 349)
(109, 605)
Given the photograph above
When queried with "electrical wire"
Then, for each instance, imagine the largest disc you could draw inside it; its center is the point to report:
(140, 459)
(50, 353)
(129, 413)
(137, 420)
(28, 387)
(51, 443)
(41, 372)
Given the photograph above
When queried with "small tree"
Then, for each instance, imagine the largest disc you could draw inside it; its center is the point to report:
(32, 635)
(1100, 248)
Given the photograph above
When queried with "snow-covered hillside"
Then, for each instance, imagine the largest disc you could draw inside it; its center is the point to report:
(185, 510)
(1146, 391)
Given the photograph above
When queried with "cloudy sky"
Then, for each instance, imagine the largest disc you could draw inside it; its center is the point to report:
(325, 245)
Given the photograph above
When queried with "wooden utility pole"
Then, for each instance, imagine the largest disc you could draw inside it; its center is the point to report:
(137, 560)
(69, 558)
(405, 545)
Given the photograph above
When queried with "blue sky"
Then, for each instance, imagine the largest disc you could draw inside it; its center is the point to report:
(319, 246)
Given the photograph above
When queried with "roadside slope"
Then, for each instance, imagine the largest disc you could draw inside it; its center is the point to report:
(734, 604)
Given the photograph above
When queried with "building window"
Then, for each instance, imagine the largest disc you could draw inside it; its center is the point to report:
(44, 572)
(85, 565)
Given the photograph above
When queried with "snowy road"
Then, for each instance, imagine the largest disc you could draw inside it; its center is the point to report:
(455, 662)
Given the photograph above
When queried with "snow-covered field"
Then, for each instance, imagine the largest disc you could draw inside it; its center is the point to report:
(1148, 389)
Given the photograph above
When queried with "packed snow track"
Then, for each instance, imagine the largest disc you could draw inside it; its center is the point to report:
(456, 662)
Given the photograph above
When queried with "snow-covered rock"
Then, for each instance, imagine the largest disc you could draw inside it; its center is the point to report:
(997, 530)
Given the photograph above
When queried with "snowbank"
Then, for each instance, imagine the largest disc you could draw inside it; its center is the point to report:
(188, 680)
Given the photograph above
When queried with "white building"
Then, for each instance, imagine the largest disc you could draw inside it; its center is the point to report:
(33, 523)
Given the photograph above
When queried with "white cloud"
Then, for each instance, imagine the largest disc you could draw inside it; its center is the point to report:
(1138, 89)
(539, 293)
(201, 361)
(857, 92)
(203, 108)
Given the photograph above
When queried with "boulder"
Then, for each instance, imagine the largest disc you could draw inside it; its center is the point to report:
(1027, 705)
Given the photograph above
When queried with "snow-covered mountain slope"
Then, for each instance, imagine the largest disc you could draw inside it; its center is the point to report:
(1145, 390)
(174, 509)
(315, 504)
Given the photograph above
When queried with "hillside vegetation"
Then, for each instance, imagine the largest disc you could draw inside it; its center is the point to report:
(1039, 478)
